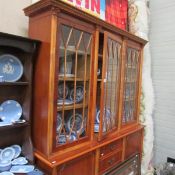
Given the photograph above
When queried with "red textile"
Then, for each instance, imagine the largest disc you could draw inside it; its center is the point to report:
(116, 13)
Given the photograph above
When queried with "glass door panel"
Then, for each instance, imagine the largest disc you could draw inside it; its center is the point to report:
(130, 86)
(73, 85)
(107, 112)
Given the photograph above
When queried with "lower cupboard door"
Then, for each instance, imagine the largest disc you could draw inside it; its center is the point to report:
(84, 165)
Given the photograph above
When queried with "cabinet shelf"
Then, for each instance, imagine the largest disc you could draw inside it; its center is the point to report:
(69, 107)
(60, 78)
(14, 83)
(16, 125)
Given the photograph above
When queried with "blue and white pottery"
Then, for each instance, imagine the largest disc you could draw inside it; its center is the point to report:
(10, 111)
(78, 94)
(61, 93)
(77, 126)
(106, 114)
(7, 153)
(22, 168)
(62, 139)
(11, 68)
(59, 123)
(5, 165)
(17, 149)
(20, 161)
(6, 173)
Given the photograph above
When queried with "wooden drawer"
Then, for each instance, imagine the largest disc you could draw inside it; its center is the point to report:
(114, 146)
(110, 161)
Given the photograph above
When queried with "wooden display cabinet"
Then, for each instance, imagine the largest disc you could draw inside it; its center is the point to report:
(21, 91)
(87, 90)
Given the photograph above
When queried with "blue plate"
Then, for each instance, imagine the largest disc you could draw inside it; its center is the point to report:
(78, 94)
(17, 149)
(76, 125)
(106, 114)
(20, 161)
(7, 153)
(10, 111)
(22, 168)
(11, 68)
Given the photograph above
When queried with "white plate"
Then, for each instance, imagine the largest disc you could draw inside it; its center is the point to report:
(10, 111)
(22, 168)
(11, 68)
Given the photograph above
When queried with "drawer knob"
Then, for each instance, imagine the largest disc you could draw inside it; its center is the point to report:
(102, 154)
(112, 147)
(111, 161)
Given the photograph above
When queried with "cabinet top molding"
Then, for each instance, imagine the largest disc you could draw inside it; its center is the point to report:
(57, 6)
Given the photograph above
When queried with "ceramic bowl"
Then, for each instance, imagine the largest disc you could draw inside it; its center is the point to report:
(5, 165)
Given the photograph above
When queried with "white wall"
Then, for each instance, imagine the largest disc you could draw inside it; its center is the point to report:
(162, 40)
(12, 18)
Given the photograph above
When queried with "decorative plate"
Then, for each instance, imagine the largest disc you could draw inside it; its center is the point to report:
(78, 95)
(61, 91)
(63, 138)
(75, 125)
(10, 111)
(7, 153)
(59, 123)
(17, 149)
(22, 168)
(97, 118)
(11, 68)
(6, 173)
(20, 161)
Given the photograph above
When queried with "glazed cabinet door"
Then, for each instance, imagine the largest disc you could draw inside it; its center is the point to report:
(132, 85)
(108, 87)
(73, 85)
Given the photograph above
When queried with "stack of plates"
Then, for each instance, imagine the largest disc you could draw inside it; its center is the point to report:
(10, 162)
